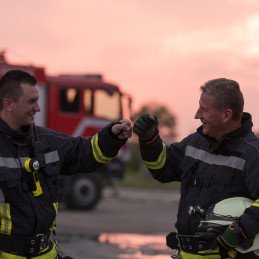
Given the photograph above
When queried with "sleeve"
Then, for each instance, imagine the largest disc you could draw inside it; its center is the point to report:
(163, 161)
(85, 155)
(250, 219)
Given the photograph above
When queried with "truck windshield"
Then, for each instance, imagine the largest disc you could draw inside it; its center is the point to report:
(107, 105)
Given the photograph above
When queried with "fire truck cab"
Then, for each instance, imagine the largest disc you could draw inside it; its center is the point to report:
(78, 105)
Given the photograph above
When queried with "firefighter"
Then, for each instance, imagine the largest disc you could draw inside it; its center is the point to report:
(31, 158)
(219, 161)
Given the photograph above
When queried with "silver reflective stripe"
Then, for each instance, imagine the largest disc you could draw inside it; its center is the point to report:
(230, 161)
(2, 196)
(52, 157)
(11, 162)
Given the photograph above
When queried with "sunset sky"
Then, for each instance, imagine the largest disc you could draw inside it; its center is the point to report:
(157, 50)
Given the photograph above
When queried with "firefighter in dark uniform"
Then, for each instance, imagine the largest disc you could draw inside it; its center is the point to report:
(219, 161)
(31, 158)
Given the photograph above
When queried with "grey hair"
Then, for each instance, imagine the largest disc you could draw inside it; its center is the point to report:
(227, 95)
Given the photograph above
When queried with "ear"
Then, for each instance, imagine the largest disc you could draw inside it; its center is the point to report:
(227, 115)
(8, 104)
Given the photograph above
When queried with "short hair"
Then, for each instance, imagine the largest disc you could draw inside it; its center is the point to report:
(10, 84)
(227, 95)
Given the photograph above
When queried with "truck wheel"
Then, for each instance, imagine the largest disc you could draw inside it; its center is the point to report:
(85, 192)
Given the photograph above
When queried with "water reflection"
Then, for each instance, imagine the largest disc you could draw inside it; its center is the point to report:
(138, 246)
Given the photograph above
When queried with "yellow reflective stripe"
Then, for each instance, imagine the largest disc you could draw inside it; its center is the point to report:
(51, 254)
(54, 225)
(160, 161)
(98, 155)
(5, 217)
(55, 205)
(185, 255)
(255, 203)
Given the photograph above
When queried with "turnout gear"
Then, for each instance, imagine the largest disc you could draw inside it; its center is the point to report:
(209, 171)
(146, 127)
(28, 201)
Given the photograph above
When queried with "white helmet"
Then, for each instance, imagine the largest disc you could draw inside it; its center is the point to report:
(226, 212)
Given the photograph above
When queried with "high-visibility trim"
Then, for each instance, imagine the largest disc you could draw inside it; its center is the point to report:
(5, 219)
(98, 155)
(55, 205)
(11, 162)
(206, 157)
(160, 162)
(54, 225)
(185, 255)
(51, 254)
(255, 203)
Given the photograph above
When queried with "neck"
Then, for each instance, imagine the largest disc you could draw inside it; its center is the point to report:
(229, 127)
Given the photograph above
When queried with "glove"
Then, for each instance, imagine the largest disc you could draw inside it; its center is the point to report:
(146, 127)
(232, 236)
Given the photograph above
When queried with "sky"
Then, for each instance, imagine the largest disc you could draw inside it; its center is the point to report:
(156, 50)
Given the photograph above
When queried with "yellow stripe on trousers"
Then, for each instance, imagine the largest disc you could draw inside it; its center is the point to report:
(52, 254)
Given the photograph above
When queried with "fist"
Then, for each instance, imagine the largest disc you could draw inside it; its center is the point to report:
(122, 130)
(146, 127)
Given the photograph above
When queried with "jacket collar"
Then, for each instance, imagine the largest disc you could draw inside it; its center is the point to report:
(14, 136)
(246, 126)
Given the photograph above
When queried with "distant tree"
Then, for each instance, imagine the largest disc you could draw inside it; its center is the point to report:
(167, 120)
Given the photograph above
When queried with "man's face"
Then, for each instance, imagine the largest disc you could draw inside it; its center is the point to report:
(211, 118)
(25, 108)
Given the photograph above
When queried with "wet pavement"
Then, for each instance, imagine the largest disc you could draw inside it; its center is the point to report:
(130, 226)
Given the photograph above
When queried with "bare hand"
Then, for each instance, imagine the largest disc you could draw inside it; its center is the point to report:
(123, 130)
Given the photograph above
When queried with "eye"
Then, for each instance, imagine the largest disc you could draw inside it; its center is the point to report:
(32, 101)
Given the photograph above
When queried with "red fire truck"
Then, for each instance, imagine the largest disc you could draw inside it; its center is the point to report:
(78, 105)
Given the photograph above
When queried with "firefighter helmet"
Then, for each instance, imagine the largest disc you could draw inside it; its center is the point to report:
(227, 211)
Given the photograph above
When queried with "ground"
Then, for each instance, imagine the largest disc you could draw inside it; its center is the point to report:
(130, 226)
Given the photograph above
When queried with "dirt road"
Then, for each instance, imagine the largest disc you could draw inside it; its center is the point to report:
(131, 226)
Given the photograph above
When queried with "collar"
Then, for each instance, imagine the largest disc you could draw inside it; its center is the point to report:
(246, 126)
(13, 135)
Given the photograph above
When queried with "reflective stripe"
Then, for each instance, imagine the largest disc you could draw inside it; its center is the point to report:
(11, 162)
(255, 203)
(52, 157)
(185, 255)
(50, 255)
(230, 161)
(2, 196)
(5, 219)
(54, 225)
(160, 161)
(55, 205)
(98, 155)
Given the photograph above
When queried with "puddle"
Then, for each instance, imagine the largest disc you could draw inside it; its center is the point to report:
(137, 246)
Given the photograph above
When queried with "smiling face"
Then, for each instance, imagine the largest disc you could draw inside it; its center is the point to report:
(212, 119)
(22, 111)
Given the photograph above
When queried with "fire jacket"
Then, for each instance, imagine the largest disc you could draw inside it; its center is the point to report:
(21, 212)
(209, 171)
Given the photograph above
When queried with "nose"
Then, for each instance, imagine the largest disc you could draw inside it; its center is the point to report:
(37, 107)
(197, 114)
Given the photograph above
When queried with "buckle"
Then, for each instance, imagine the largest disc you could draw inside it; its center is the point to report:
(37, 244)
(189, 243)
